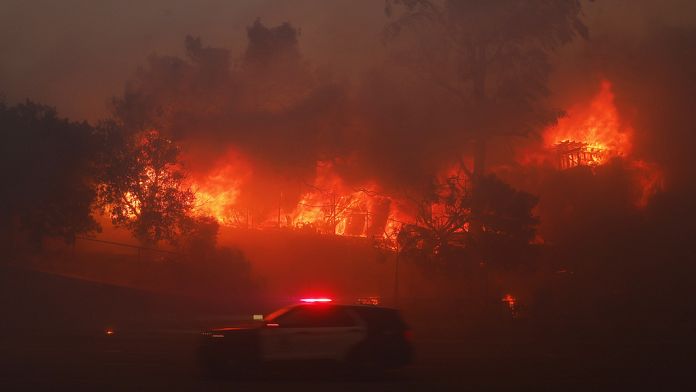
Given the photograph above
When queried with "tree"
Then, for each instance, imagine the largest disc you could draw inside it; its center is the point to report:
(47, 174)
(271, 107)
(492, 57)
(442, 237)
(441, 223)
(142, 184)
(199, 237)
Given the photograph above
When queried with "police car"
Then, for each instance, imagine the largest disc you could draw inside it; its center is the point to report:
(316, 329)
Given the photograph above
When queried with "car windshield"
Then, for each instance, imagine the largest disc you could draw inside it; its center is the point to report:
(273, 316)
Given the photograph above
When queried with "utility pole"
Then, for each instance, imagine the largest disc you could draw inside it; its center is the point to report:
(396, 276)
(333, 212)
(280, 204)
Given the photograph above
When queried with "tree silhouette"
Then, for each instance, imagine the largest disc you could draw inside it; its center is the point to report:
(271, 105)
(142, 185)
(47, 174)
(198, 236)
(442, 237)
(492, 57)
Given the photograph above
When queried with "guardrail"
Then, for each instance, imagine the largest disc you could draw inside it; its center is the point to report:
(139, 248)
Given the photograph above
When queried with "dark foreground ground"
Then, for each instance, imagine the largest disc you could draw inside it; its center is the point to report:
(53, 338)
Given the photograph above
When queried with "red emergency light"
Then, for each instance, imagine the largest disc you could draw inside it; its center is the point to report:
(315, 300)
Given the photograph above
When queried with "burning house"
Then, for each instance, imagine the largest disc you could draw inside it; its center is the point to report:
(571, 153)
(590, 133)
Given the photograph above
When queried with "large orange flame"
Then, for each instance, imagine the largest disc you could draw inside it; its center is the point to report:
(327, 206)
(590, 133)
(218, 191)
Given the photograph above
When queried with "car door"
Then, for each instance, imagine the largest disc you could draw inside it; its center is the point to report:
(338, 332)
(314, 331)
(283, 338)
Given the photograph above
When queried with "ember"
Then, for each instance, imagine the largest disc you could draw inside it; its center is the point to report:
(511, 303)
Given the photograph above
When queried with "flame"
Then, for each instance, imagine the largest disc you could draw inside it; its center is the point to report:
(218, 191)
(595, 127)
(327, 206)
(333, 207)
(592, 133)
(133, 204)
(511, 303)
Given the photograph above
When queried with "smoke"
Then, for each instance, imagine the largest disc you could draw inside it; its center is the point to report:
(76, 54)
(654, 83)
(271, 100)
(271, 112)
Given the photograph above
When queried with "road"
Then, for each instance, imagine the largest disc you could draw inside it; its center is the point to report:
(52, 337)
(165, 361)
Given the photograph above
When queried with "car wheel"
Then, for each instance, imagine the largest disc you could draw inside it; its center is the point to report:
(362, 363)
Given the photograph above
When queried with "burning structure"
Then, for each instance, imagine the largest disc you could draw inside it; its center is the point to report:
(590, 134)
(572, 153)
(313, 153)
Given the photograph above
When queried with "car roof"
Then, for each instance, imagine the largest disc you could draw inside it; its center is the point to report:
(345, 305)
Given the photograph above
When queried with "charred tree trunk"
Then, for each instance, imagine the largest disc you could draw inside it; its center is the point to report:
(480, 141)
(477, 198)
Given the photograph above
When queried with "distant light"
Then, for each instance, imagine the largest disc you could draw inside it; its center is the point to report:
(257, 317)
(509, 299)
(368, 300)
(272, 325)
(313, 300)
(109, 331)
(217, 335)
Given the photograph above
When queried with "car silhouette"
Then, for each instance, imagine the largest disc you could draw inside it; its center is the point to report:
(355, 336)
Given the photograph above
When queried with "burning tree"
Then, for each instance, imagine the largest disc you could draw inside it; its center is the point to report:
(142, 185)
(265, 114)
(491, 57)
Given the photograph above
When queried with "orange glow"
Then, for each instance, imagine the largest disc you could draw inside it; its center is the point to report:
(650, 179)
(109, 332)
(217, 192)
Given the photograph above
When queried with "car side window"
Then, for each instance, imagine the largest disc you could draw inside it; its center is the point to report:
(316, 316)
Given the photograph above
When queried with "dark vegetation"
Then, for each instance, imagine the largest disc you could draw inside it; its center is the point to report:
(49, 167)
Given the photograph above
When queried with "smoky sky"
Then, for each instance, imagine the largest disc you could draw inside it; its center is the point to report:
(76, 54)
